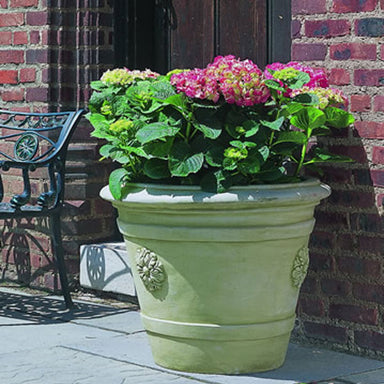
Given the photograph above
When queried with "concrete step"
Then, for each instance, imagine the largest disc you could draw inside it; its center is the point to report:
(105, 267)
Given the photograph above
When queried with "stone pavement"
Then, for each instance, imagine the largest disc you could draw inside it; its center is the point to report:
(42, 343)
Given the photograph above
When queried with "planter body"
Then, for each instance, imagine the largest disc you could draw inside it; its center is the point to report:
(218, 275)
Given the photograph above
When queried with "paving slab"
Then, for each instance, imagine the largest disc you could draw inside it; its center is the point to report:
(42, 342)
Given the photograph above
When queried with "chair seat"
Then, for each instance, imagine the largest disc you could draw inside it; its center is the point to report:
(7, 211)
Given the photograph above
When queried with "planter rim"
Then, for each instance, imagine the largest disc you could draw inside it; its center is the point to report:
(140, 193)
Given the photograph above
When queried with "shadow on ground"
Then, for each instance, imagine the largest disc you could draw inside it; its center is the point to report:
(44, 310)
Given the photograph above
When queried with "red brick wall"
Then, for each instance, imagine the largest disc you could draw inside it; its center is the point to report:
(50, 50)
(342, 299)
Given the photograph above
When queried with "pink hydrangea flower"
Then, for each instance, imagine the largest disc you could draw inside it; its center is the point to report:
(238, 82)
(327, 96)
(317, 76)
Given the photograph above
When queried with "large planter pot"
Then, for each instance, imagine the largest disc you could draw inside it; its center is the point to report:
(218, 275)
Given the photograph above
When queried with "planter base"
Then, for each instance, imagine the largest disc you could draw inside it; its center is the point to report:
(217, 349)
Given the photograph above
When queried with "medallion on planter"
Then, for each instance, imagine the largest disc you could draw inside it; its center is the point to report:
(150, 269)
(300, 267)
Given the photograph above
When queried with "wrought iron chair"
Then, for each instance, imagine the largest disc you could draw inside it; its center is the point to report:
(29, 141)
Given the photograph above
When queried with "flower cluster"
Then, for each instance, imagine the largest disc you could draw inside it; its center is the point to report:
(327, 96)
(318, 77)
(238, 82)
(124, 77)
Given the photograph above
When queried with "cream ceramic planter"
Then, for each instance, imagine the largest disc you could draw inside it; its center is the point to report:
(218, 275)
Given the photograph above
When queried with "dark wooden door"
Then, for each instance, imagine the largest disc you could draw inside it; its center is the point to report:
(167, 34)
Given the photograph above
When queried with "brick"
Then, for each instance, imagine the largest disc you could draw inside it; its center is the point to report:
(377, 176)
(333, 174)
(326, 332)
(378, 155)
(378, 103)
(327, 28)
(34, 37)
(369, 292)
(372, 27)
(320, 239)
(20, 38)
(382, 4)
(37, 94)
(8, 56)
(367, 222)
(34, 56)
(339, 76)
(308, 7)
(369, 77)
(373, 245)
(5, 38)
(312, 307)
(353, 313)
(27, 75)
(349, 6)
(369, 129)
(37, 18)
(333, 287)
(24, 3)
(8, 77)
(309, 285)
(352, 199)
(355, 152)
(295, 28)
(360, 103)
(331, 219)
(359, 267)
(308, 52)
(13, 95)
(11, 19)
(354, 51)
(321, 262)
(370, 339)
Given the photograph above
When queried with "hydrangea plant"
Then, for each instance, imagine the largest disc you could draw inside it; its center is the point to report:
(227, 124)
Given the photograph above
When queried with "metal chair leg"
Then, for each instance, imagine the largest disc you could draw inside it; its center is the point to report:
(59, 256)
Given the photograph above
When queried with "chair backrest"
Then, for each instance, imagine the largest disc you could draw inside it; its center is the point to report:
(33, 140)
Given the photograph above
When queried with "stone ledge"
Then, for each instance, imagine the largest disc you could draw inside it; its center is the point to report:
(105, 267)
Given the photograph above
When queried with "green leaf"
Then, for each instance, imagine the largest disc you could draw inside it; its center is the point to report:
(272, 84)
(98, 121)
(274, 125)
(307, 98)
(136, 150)
(308, 119)
(98, 85)
(255, 159)
(338, 118)
(116, 179)
(251, 127)
(159, 149)
(155, 131)
(294, 108)
(301, 79)
(212, 131)
(323, 156)
(216, 182)
(106, 149)
(182, 162)
(215, 156)
(291, 137)
(156, 169)
(176, 100)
